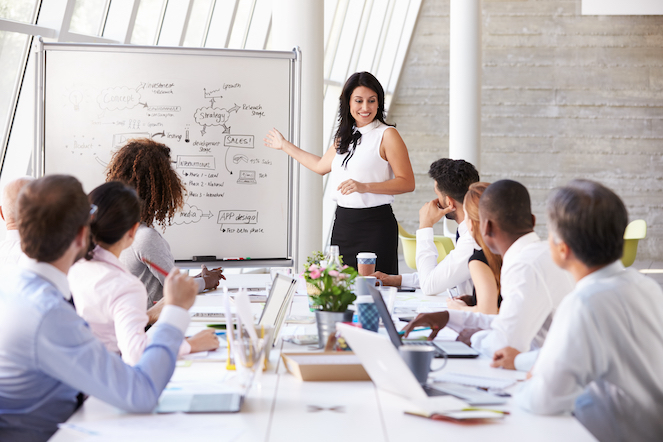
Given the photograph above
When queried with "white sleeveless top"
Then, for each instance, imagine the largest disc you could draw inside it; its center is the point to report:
(365, 166)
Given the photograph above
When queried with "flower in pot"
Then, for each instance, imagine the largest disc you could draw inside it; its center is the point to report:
(334, 284)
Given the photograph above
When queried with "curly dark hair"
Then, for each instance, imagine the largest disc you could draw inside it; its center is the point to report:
(346, 122)
(145, 165)
(453, 177)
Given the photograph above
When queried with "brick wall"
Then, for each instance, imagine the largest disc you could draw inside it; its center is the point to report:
(564, 96)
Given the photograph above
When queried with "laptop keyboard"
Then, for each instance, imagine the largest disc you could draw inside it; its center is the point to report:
(430, 391)
(438, 351)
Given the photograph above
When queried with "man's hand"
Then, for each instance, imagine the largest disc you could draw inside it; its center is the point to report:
(505, 358)
(457, 303)
(212, 277)
(436, 321)
(154, 311)
(179, 289)
(203, 341)
(393, 280)
(431, 212)
(465, 336)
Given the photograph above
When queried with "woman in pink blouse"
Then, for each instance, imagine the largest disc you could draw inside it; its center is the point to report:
(107, 296)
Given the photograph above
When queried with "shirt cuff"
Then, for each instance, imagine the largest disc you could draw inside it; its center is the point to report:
(456, 320)
(426, 233)
(185, 348)
(175, 316)
(525, 361)
(201, 283)
(409, 280)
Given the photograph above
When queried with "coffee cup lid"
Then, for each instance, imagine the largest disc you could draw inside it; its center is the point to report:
(366, 255)
(364, 299)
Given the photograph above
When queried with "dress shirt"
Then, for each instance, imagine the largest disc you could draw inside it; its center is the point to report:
(603, 357)
(112, 301)
(452, 271)
(10, 248)
(532, 287)
(48, 355)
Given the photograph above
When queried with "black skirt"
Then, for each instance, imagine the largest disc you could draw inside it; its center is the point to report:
(373, 229)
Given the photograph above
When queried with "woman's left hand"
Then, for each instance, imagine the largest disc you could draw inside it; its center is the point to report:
(456, 304)
(351, 186)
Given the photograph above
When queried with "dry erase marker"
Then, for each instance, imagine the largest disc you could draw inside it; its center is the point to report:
(155, 267)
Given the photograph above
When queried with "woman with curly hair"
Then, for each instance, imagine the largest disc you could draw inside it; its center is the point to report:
(145, 166)
(369, 164)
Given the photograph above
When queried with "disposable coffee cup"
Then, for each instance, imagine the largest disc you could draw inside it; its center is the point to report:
(366, 263)
(418, 358)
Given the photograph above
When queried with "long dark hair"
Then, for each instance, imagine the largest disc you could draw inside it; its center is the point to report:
(118, 210)
(346, 123)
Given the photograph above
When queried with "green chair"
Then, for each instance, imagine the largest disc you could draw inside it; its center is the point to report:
(635, 231)
(444, 246)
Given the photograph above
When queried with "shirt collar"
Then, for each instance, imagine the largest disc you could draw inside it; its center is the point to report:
(49, 273)
(462, 228)
(602, 273)
(369, 127)
(519, 245)
(12, 235)
(101, 254)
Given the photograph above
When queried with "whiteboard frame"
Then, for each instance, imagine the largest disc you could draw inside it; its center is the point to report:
(40, 47)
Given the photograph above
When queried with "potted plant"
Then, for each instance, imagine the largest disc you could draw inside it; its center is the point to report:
(333, 282)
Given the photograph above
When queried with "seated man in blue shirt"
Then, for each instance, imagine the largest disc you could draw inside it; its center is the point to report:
(48, 355)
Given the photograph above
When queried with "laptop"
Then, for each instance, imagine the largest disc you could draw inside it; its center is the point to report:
(278, 303)
(452, 349)
(247, 177)
(273, 315)
(389, 372)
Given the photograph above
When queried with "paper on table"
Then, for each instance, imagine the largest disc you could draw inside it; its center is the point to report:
(221, 354)
(325, 359)
(172, 427)
(473, 381)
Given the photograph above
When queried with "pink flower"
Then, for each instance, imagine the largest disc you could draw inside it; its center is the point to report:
(315, 274)
(343, 276)
(313, 267)
(345, 267)
(333, 273)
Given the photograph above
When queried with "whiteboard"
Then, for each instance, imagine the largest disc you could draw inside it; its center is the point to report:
(211, 107)
(621, 7)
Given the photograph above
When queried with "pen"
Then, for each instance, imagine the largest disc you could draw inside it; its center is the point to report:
(155, 267)
(402, 332)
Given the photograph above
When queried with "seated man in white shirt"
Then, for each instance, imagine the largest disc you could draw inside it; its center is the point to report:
(10, 248)
(603, 357)
(452, 179)
(48, 354)
(532, 286)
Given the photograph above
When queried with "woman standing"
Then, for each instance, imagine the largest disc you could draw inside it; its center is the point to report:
(485, 266)
(145, 166)
(369, 164)
(109, 298)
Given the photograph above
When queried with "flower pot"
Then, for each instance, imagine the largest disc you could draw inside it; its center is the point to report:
(327, 323)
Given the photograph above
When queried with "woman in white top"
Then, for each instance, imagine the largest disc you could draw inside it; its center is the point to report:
(107, 296)
(370, 164)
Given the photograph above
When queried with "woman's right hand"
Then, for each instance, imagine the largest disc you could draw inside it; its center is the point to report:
(274, 139)
(203, 341)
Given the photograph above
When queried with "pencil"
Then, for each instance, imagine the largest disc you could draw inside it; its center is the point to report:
(155, 267)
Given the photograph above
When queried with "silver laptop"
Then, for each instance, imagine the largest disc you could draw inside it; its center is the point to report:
(389, 372)
(278, 303)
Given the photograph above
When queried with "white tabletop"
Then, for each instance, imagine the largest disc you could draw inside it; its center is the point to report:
(285, 408)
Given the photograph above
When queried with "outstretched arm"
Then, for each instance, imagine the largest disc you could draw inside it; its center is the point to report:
(315, 163)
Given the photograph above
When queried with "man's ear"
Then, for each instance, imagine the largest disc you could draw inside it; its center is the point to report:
(533, 220)
(451, 202)
(564, 251)
(81, 236)
(2, 214)
(487, 228)
(132, 231)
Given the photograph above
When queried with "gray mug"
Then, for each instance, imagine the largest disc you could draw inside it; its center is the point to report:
(419, 358)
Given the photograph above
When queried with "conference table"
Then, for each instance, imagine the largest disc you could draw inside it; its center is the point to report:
(280, 407)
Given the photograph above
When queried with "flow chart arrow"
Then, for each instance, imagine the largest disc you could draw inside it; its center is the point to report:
(209, 215)
(143, 104)
(163, 134)
(225, 162)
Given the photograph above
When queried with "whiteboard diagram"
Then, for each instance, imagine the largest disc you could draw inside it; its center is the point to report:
(212, 112)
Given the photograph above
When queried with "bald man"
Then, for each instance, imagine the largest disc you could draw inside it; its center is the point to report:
(532, 286)
(10, 248)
